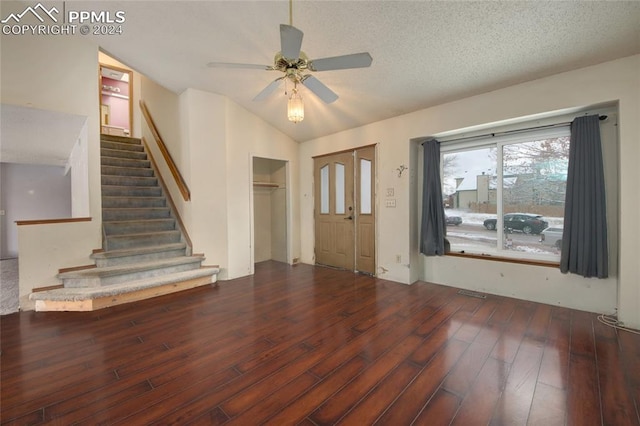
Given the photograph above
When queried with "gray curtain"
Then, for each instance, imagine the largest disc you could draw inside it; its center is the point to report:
(584, 239)
(432, 231)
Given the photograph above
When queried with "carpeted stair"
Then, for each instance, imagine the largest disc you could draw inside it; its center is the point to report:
(144, 253)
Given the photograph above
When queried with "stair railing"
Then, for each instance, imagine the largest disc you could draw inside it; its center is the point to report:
(177, 176)
(167, 195)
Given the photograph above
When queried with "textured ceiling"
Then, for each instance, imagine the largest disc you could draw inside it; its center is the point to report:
(424, 52)
(37, 136)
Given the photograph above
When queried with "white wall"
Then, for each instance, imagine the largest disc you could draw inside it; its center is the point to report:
(29, 192)
(205, 170)
(72, 62)
(78, 167)
(608, 82)
(212, 140)
(392, 223)
(249, 136)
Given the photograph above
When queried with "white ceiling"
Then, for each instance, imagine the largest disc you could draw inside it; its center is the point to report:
(424, 52)
(37, 136)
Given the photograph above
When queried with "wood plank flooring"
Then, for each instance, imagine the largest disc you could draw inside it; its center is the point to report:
(315, 346)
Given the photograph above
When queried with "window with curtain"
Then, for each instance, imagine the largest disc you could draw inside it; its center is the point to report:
(505, 195)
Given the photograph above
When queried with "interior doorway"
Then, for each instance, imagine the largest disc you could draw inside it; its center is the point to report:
(344, 195)
(116, 100)
(270, 210)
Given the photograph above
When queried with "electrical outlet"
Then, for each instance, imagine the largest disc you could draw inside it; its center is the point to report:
(390, 192)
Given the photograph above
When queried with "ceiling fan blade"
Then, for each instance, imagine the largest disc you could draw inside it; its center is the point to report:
(233, 65)
(268, 90)
(317, 87)
(290, 41)
(355, 60)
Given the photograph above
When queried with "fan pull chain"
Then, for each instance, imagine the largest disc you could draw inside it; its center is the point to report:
(291, 12)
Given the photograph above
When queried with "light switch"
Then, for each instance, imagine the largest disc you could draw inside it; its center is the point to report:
(390, 203)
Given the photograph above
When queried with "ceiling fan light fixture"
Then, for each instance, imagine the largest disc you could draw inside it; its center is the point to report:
(295, 107)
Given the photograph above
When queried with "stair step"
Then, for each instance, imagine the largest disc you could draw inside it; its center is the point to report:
(124, 241)
(121, 146)
(125, 162)
(126, 171)
(112, 202)
(111, 214)
(129, 181)
(131, 191)
(138, 254)
(123, 153)
(117, 274)
(89, 299)
(121, 139)
(138, 226)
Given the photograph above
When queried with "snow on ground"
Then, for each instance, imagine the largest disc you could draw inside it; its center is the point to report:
(479, 218)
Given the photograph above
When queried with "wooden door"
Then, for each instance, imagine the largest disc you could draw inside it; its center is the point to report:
(365, 210)
(345, 210)
(334, 210)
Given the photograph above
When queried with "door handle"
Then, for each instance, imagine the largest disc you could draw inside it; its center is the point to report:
(348, 218)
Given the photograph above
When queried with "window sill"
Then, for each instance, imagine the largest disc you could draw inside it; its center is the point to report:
(546, 263)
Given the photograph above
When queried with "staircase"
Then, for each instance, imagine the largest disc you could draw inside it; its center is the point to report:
(144, 252)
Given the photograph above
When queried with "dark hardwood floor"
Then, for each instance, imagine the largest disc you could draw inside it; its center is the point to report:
(315, 346)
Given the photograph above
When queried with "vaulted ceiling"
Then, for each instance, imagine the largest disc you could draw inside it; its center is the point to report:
(424, 52)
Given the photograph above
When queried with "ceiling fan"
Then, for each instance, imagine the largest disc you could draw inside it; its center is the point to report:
(295, 65)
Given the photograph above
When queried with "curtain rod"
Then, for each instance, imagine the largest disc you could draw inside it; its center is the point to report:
(510, 132)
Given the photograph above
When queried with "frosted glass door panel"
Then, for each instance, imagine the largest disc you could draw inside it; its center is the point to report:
(339, 188)
(324, 190)
(365, 186)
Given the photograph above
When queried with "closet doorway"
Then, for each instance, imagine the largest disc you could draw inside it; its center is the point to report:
(270, 210)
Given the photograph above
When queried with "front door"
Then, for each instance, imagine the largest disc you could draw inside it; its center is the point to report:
(345, 210)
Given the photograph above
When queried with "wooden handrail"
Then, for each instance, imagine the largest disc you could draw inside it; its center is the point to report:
(182, 184)
(172, 205)
(50, 221)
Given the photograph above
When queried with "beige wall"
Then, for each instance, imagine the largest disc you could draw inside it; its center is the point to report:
(211, 138)
(249, 136)
(24, 58)
(217, 141)
(204, 130)
(397, 228)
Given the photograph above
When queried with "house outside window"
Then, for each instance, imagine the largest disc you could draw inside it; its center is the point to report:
(507, 190)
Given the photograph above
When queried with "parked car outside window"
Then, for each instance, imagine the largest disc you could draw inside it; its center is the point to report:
(525, 222)
(552, 237)
(453, 220)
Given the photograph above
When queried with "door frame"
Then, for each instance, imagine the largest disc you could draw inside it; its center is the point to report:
(130, 84)
(375, 198)
(288, 210)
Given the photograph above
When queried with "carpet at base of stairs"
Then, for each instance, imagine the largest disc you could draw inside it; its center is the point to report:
(93, 298)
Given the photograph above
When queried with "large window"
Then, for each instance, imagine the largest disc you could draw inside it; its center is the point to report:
(504, 195)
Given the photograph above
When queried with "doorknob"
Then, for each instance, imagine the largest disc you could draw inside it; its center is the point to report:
(348, 218)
